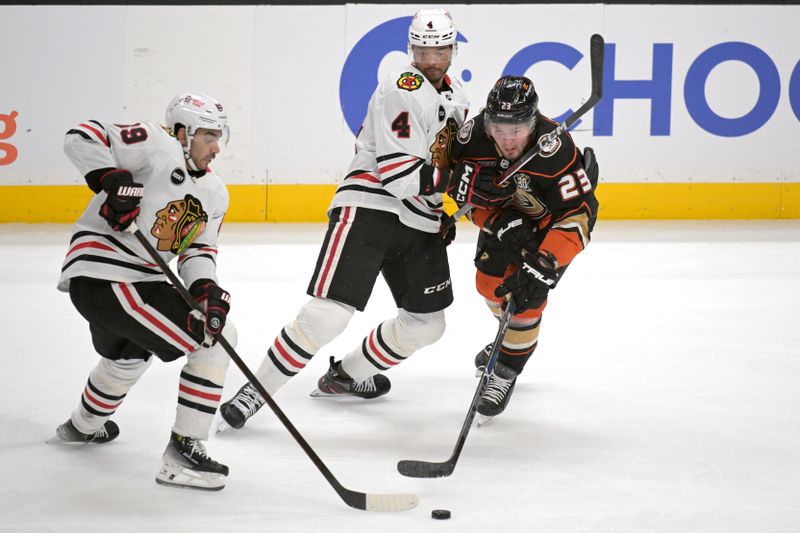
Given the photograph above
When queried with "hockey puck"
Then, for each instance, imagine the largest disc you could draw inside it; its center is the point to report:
(440, 514)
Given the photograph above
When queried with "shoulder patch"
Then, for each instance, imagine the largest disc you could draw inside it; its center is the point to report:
(465, 132)
(178, 176)
(548, 147)
(408, 81)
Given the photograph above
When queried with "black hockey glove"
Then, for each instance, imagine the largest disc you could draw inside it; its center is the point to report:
(446, 234)
(530, 284)
(217, 303)
(514, 230)
(124, 195)
(471, 183)
(590, 166)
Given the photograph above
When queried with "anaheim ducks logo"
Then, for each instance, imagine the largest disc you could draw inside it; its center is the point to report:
(442, 144)
(178, 224)
(409, 81)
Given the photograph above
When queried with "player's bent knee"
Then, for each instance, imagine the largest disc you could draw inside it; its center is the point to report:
(320, 321)
(420, 329)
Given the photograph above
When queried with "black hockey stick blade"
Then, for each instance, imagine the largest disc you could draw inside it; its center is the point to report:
(355, 499)
(426, 469)
(411, 468)
(597, 54)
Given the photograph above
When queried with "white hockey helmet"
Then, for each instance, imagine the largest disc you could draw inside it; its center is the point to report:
(431, 27)
(193, 111)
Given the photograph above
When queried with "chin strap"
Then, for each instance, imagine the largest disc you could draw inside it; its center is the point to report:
(190, 165)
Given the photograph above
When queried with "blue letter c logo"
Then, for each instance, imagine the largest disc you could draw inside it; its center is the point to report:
(360, 71)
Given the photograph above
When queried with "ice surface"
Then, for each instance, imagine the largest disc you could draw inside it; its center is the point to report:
(664, 397)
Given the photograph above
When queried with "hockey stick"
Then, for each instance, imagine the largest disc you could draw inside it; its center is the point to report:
(596, 57)
(358, 500)
(412, 468)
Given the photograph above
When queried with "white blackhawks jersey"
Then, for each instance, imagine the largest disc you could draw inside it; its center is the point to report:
(409, 123)
(172, 200)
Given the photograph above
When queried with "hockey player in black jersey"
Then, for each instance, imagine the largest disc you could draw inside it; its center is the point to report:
(526, 244)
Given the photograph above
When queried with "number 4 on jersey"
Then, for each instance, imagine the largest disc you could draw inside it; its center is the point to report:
(401, 126)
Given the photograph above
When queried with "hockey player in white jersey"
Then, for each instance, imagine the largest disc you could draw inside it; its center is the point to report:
(159, 177)
(385, 219)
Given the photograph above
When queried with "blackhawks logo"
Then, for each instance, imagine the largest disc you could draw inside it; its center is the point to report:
(443, 143)
(178, 224)
(409, 81)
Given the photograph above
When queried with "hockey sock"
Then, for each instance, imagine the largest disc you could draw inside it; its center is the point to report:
(392, 342)
(106, 388)
(520, 340)
(519, 343)
(318, 323)
(200, 390)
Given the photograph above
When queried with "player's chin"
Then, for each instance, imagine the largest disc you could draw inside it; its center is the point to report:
(434, 75)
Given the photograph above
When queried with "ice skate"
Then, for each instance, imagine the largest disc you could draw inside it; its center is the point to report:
(186, 464)
(238, 409)
(497, 393)
(481, 359)
(68, 433)
(336, 383)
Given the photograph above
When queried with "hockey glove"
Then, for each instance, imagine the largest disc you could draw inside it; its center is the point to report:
(590, 166)
(528, 286)
(124, 195)
(446, 234)
(474, 184)
(514, 230)
(217, 303)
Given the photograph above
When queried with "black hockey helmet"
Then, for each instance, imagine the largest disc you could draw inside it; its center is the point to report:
(512, 100)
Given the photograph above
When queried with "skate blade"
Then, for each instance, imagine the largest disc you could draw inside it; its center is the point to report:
(223, 426)
(316, 393)
(55, 439)
(483, 419)
(184, 478)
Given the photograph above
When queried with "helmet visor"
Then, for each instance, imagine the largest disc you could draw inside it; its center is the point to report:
(210, 135)
(431, 54)
(499, 128)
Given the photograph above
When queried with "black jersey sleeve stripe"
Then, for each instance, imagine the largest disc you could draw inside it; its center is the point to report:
(363, 188)
(199, 256)
(109, 261)
(356, 173)
(81, 133)
(403, 174)
(396, 155)
(109, 238)
(418, 212)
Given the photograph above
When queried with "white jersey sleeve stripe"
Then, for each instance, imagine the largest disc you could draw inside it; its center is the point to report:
(96, 132)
